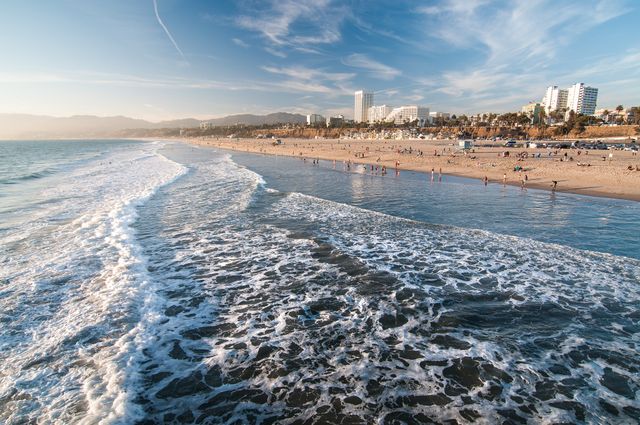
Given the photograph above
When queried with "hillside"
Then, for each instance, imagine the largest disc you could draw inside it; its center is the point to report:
(23, 126)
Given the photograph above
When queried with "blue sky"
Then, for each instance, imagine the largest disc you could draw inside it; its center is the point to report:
(212, 58)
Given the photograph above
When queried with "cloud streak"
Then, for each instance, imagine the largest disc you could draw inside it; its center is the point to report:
(375, 69)
(239, 42)
(166, 30)
(315, 21)
(513, 44)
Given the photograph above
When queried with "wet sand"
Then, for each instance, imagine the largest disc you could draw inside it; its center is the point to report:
(586, 172)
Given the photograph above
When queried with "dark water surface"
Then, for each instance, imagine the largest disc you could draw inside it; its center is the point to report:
(186, 285)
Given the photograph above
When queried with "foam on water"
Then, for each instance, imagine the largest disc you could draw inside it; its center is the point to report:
(75, 296)
(220, 300)
(292, 308)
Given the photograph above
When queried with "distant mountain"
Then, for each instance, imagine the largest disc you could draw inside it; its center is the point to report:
(23, 126)
(248, 119)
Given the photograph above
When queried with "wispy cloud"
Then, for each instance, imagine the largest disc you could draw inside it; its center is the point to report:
(295, 23)
(516, 31)
(517, 41)
(239, 42)
(166, 30)
(375, 68)
(306, 79)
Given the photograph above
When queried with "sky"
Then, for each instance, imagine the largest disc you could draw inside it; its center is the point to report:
(168, 59)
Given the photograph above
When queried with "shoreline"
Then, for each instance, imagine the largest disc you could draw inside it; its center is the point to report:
(608, 180)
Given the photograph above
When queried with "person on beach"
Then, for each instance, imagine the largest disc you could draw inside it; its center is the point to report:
(486, 180)
(432, 171)
(522, 184)
(440, 175)
(504, 178)
(554, 184)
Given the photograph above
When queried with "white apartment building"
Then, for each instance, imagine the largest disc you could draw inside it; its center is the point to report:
(378, 113)
(554, 99)
(435, 115)
(314, 119)
(363, 101)
(408, 114)
(335, 121)
(582, 99)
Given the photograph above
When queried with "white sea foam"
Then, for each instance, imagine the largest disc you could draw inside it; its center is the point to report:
(306, 299)
(236, 302)
(77, 296)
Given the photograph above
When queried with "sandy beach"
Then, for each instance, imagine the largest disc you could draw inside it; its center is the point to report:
(587, 172)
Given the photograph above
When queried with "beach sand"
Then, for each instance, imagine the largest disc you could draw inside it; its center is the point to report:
(603, 176)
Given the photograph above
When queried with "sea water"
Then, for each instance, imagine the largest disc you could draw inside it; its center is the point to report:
(164, 283)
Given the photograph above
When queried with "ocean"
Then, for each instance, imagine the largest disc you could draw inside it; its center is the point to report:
(160, 282)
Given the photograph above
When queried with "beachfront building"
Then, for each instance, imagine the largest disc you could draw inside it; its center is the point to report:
(409, 113)
(336, 121)
(582, 99)
(532, 110)
(363, 101)
(378, 113)
(554, 99)
(614, 116)
(439, 117)
(313, 119)
(206, 125)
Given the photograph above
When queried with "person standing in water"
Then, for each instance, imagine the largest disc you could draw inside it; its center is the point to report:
(486, 180)
(440, 175)
(432, 171)
(554, 184)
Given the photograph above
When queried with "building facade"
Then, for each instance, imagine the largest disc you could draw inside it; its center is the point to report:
(363, 101)
(554, 99)
(582, 99)
(435, 116)
(532, 110)
(378, 113)
(313, 119)
(410, 113)
(336, 121)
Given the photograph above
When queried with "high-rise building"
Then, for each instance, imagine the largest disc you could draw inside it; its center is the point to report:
(409, 114)
(363, 101)
(378, 113)
(314, 119)
(554, 99)
(582, 99)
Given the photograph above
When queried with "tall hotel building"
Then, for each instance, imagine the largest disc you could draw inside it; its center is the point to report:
(554, 99)
(363, 101)
(378, 113)
(582, 99)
